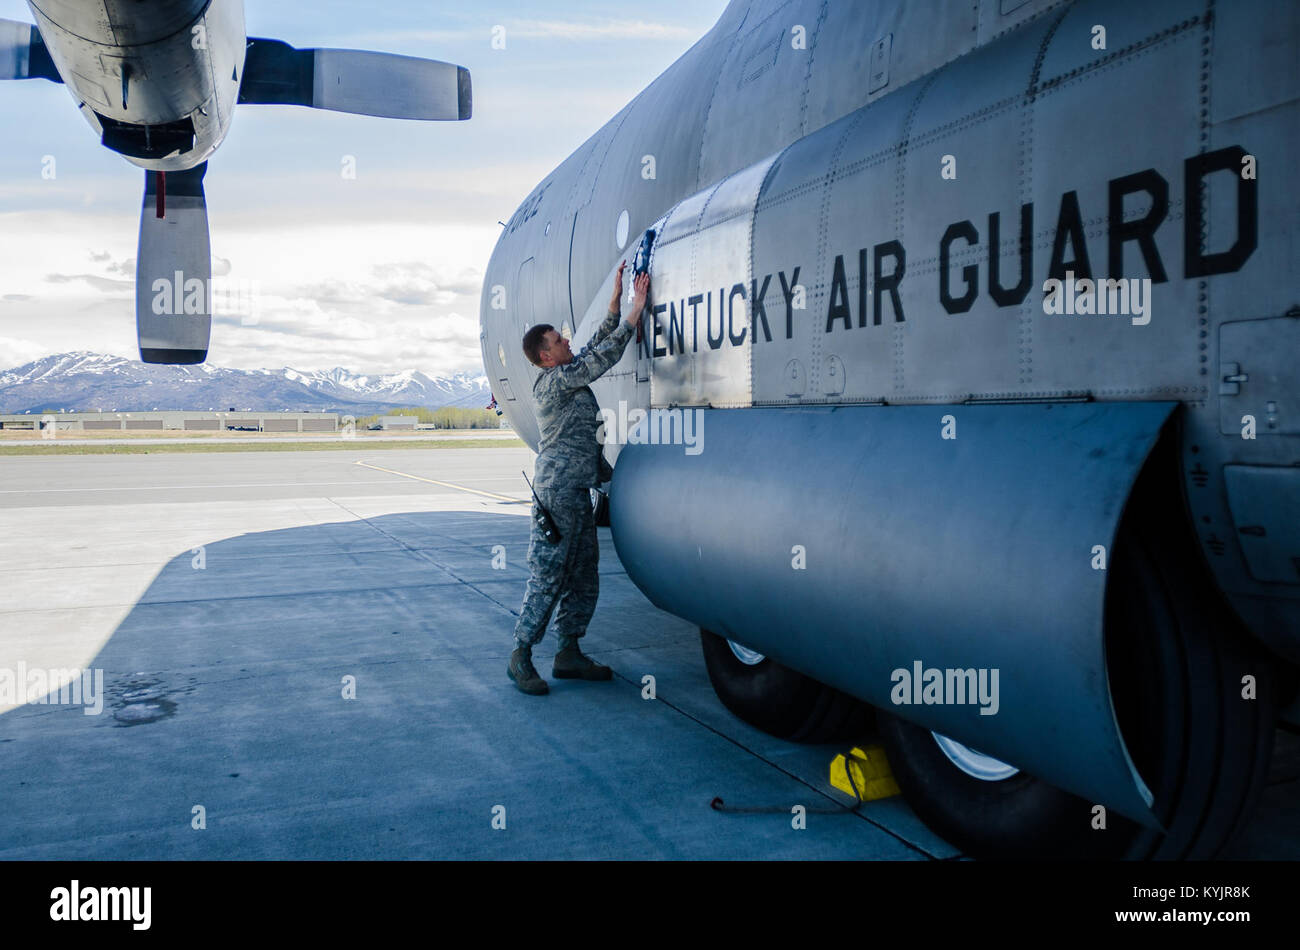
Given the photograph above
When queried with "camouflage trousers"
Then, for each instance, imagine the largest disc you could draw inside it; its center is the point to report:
(561, 577)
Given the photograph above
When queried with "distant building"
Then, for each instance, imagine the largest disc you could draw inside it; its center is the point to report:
(176, 419)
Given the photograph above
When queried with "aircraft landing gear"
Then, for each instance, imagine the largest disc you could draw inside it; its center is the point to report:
(777, 699)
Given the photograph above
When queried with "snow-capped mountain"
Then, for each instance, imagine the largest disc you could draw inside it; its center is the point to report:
(89, 381)
(411, 387)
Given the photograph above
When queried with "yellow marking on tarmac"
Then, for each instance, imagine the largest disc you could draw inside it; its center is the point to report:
(433, 481)
(870, 770)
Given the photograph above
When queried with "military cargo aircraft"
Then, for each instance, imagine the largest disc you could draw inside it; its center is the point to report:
(985, 319)
(158, 81)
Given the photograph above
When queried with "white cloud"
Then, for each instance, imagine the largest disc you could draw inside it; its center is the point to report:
(16, 352)
(373, 297)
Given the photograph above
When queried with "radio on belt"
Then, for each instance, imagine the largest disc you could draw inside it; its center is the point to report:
(543, 517)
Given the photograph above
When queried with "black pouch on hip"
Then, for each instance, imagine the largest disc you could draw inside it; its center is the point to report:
(545, 523)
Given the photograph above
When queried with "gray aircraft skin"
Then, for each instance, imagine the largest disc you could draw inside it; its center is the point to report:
(918, 463)
(159, 81)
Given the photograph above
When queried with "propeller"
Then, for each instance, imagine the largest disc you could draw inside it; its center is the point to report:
(355, 81)
(173, 271)
(174, 261)
(23, 54)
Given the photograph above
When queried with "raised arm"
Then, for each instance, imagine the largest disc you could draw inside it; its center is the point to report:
(612, 317)
(597, 358)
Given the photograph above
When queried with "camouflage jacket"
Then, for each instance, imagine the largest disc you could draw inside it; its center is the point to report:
(568, 455)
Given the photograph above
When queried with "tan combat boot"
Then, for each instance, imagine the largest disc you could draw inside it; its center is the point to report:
(521, 670)
(571, 664)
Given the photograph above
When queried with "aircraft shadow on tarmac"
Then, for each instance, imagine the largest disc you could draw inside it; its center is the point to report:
(228, 705)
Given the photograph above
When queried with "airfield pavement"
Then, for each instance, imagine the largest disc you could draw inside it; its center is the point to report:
(231, 598)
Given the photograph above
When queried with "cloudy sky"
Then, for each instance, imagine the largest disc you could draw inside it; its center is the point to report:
(376, 274)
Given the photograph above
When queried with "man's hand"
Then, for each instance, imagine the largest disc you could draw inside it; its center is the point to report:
(641, 286)
(616, 302)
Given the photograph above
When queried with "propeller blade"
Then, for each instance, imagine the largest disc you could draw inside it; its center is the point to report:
(173, 271)
(23, 54)
(355, 81)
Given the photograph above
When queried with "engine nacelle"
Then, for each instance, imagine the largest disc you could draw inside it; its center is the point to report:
(863, 546)
(160, 90)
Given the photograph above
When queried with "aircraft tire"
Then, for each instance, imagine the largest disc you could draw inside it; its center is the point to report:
(779, 700)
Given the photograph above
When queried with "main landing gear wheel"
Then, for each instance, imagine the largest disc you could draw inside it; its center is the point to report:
(1176, 659)
(777, 699)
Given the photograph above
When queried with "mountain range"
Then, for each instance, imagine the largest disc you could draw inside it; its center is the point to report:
(96, 381)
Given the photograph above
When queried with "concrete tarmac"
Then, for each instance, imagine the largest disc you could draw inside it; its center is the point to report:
(303, 656)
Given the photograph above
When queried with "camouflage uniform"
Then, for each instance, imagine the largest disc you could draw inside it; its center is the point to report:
(569, 462)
